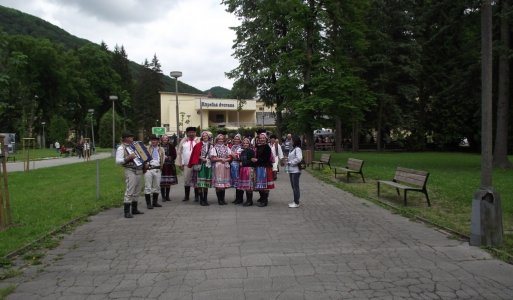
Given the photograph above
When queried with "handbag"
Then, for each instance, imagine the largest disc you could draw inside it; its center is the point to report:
(302, 164)
(196, 167)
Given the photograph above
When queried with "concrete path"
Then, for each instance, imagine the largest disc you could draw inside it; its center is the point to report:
(335, 246)
(37, 164)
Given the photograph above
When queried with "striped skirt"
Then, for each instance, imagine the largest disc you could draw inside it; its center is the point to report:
(202, 178)
(168, 177)
(221, 175)
(234, 173)
(246, 179)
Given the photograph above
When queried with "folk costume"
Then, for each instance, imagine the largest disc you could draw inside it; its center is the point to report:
(133, 175)
(277, 154)
(202, 178)
(221, 156)
(263, 169)
(246, 181)
(152, 175)
(235, 169)
(168, 176)
(184, 152)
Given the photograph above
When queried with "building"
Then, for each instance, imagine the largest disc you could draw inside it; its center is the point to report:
(200, 110)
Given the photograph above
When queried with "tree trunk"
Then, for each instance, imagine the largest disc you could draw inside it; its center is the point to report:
(486, 94)
(500, 154)
(356, 136)
(338, 135)
(379, 136)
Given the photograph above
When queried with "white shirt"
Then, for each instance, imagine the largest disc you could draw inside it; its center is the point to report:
(184, 150)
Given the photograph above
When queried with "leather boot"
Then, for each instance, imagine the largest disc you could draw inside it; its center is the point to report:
(205, 197)
(261, 196)
(219, 197)
(155, 200)
(148, 201)
(239, 197)
(167, 194)
(264, 201)
(187, 192)
(135, 211)
(163, 194)
(196, 195)
(126, 209)
(249, 199)
(223, 195)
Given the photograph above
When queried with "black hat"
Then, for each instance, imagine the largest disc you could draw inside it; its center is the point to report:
(190, 129)
(127, 134)
(154, 137)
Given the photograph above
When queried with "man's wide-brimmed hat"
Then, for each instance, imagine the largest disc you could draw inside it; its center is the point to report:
(127, 134)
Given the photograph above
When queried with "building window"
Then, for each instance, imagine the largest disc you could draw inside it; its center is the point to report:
(219, 118)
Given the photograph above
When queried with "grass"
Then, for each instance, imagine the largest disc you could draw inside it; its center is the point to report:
(38, 154)
(453, 180)
(44, 200)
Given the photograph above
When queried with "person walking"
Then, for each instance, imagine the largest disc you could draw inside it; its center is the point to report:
(246, 180)
(263, 169)
(294, 158)
(168, 176)
(277, 154)
(220, 155)
(287, 144)
(133, 172)
(153, 173)
(184, 151)
(235, 168)
(202, 167)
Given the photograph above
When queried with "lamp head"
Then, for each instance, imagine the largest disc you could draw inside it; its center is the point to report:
(175, 74)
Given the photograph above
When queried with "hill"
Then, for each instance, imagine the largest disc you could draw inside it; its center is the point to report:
(218, 92)
(15, 22)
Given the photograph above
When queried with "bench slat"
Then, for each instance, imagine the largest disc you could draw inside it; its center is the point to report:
(408, 180)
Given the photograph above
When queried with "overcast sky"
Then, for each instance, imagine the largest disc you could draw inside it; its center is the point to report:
(191, 36)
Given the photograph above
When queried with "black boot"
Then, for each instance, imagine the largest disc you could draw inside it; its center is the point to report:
(220, 197)
(126, 209)
(239, 197)
(196, 195)
(163, 194)
(205, 197)
(261, 196)
(187, 192)
(155, 200)
(135, 211)
(249, 199)
(167, 194)
(275, 175)
(264, 201)
(148, 201)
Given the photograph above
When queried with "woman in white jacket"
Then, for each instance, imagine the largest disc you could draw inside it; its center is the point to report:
(294, 158)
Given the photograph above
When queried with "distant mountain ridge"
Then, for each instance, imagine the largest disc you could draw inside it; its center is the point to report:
(15, 22)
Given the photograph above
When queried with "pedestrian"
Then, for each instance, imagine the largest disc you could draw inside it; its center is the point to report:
(202, 167)
(277, 154)
(246, 180)
(86, 150)
(57, 146)
(294, 158)
(287, 144)
(220, 156)
(133, 172)
(235, 168)
(184, 151)
(263, 161)
(153, 173)
(168, 176)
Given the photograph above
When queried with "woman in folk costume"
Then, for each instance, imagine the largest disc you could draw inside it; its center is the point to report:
(246, 180)
(235, 167)
(263, 169)
(220, 155)
(168, 177)
(201, 166)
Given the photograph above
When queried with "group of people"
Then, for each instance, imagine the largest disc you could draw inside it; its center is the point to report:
(247, 165)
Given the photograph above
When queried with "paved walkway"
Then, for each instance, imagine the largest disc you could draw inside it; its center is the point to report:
(335, 246)
(53, 162)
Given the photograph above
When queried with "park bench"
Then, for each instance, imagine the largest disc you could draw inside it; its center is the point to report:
(325, 159)
(353, 166)
(408, 180)
(324, 146)
(10, 158)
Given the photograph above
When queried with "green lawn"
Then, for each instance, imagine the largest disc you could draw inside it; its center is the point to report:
(453, 180)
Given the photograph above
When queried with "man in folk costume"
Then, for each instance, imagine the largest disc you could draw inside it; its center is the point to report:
(184, 151)
(277, 154)
(168, 176)
(202, 166)
(153, 173)
(133, 174)
(263, 161)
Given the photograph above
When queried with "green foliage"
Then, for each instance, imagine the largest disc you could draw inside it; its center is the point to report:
(57, 130)
(105, 129)
(218, 92)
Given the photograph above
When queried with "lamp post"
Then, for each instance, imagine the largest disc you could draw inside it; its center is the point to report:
(113, 98)
(91, 111)
(43, 141)
(175, 75)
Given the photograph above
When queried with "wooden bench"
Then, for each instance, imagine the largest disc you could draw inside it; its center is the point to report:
(408, 180)
(325, 159)
(353, 166)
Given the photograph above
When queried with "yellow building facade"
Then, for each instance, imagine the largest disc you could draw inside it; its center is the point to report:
(199, 110)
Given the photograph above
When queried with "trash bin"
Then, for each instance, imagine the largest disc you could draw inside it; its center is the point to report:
(486, 221)
(308, 157)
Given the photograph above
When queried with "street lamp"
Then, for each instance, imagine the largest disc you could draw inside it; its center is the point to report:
(44, 140)
(113, 98)
(91, 111)
(175, 75)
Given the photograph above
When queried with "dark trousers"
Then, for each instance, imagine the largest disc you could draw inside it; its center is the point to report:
(294, 182)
